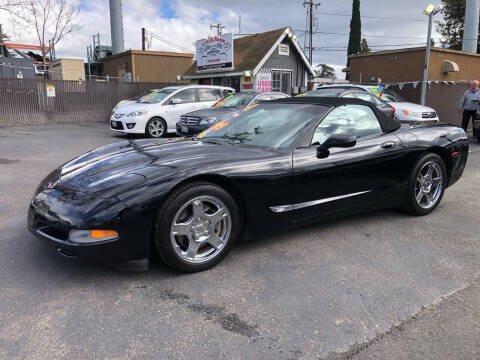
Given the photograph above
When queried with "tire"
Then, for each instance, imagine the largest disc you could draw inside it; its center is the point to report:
(478, 135)
(426, 185)
(196, 227)
(156, 128)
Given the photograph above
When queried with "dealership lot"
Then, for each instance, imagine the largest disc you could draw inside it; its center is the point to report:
(304, 294)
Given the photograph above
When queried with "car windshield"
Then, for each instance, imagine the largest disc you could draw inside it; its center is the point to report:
(155, 97)
(265, 125)
(235, 101)
(138, 97)
(387, 95)
(324, 92)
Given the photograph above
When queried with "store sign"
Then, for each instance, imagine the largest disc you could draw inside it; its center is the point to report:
(247, 84)
(284, 49)
(215, 53)
(264, 82)
(50, 90)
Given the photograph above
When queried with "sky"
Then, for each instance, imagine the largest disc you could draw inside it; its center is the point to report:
(386, 24)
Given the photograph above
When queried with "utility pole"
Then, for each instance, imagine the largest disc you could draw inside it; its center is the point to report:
(219, 28)
(143, 39)
(1, 41)
(310, 4)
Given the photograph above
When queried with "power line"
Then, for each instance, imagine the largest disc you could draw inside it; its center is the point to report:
(373, 17)
(165, 41)
(367, 35)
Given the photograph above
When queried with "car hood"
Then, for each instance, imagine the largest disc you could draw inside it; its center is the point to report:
(133, 106)
(112, 169)
(220, 113)
(411, 106)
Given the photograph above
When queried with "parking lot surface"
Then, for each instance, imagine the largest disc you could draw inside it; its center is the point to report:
(311, 293)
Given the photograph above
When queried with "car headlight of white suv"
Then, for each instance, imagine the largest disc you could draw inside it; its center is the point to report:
(137, 113)
(207, 121)
(414, 114)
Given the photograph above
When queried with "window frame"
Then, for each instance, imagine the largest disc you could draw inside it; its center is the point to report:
(169, 101)
(309, 138)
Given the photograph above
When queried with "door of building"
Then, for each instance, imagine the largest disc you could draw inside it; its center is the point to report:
(282, 81)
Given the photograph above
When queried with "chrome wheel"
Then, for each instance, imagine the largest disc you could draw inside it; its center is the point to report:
(200, 229)
(156, 128)
(429, 185)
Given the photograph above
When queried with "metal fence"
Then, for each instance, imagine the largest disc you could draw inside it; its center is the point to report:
(444, 97)
(39, 102)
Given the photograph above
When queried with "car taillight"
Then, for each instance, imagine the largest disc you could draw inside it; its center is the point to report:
(392, 109)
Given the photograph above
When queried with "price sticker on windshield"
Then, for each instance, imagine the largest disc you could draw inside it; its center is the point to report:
(249, 107)
(219, 125)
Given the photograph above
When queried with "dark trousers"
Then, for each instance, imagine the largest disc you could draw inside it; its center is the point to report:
(467, 114)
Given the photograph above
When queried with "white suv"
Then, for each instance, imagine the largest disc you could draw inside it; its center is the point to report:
(404, 111)
(156, 114)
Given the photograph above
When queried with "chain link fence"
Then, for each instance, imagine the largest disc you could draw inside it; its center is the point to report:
(39, 102)
(443, 96)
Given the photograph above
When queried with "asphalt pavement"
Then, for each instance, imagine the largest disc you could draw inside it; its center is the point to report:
(381, 285)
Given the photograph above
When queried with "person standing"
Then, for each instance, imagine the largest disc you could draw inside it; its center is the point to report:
(469, 104)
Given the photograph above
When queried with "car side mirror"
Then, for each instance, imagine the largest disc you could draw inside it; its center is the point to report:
(176, 101)
(336, 140)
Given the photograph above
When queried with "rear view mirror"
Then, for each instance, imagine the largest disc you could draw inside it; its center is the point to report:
(336, 140)
(176, 101)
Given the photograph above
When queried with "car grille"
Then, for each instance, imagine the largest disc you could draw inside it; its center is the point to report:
(117, 125)
(118, 116)
(54, 231)
(429, 115)
(186, 120)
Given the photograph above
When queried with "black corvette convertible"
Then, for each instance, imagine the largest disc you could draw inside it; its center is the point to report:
(277, 164)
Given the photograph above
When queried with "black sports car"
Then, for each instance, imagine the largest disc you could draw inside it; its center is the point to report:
(280, 163)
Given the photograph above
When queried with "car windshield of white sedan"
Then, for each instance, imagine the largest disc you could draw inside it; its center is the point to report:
(155, 97)
(235, 101)
(272, 125)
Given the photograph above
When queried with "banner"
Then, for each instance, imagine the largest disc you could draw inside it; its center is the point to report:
(263, 82)
(215, 53)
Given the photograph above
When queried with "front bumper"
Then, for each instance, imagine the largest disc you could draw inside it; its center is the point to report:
(122, 124)
(189, 130)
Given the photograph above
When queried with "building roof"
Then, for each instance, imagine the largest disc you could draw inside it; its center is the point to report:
(147, 52)
(407, 50)
(250, 51)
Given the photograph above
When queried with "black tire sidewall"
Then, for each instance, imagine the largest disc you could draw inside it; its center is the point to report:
(411, 203)
(165, 218)
(148, 126)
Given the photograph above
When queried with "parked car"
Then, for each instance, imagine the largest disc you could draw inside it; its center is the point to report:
(134, 99)
(196, 121)
(157, 114)
(404, 111)
(381, 105)
(281, 163)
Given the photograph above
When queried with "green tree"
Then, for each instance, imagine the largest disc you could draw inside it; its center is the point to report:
(325, 71)
(364, 47)
(355, 29)
(451, 28)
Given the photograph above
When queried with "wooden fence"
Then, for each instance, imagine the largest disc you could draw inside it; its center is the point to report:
(27, 102)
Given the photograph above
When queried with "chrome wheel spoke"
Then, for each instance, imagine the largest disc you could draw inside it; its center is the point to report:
(192, 250)
(437, 181)
(430, 169)
(429, 199)
(198, 211)
(419, 196)
(215, 241)
(182, 229)
(216, 217)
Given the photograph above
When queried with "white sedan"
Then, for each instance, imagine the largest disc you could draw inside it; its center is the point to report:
(156, 114)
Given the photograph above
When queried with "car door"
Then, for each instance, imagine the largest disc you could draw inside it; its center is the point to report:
(349, 178)
(172, 112)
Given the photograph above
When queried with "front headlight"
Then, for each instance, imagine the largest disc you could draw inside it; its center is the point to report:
(137, 113)
(207, 121)
(414, 114)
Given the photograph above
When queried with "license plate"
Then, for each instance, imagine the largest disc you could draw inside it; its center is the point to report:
(184, 129)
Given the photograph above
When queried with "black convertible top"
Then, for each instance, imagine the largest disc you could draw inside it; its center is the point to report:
(387, 124)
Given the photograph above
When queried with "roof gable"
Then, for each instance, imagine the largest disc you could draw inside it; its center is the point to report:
(249, 51)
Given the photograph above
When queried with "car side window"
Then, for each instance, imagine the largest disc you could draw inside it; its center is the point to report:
(354, 120)
(186, 96)
(209, 94)
(365, 97)
(349, 95)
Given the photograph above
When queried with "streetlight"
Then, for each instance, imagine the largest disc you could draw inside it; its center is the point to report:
(431, 10)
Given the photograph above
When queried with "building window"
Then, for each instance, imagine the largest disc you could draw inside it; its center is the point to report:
(282, 81)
